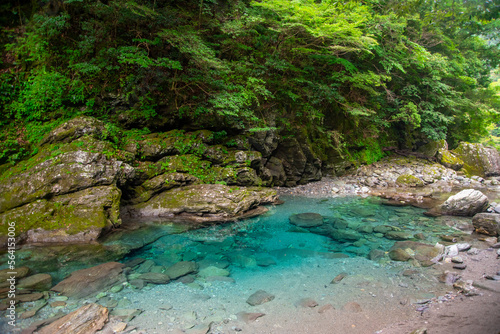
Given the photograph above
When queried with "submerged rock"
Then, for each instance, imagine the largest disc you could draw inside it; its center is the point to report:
(308, 219)
(90, 281)
(181, 269)
(468, 202)
(260, 297)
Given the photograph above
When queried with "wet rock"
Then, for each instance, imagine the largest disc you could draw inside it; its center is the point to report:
(181, 269)
(213, 271)
(345, 235)
(376, 254)
(249, 317)
(88, 319)
(125, 314)
(449, 159)
(265, 261)
(399, 254)
(421, 252)
(32, 312)
(145, 267)
(18, 272)
(40, 282)
(339, 278)
(155, 278)
(466, 203)
(308, 219)
(90, 281)
(57, 304)
(260, 297)
(487, 223)
(398, 235)
(30, 297)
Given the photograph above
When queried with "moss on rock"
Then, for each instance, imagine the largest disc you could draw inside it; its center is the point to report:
(409, 181)
(90, 210)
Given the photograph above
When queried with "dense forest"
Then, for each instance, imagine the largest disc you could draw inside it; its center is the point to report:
(348, 76)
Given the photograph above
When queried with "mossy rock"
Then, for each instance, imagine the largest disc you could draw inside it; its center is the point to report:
(409, 180)
(63, 174)
(209, 200)
(74, 217)
(432, 148)
(75, 128)
(478, 159)
(449, 160)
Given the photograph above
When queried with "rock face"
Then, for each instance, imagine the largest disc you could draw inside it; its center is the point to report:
(87, 282)
(88, 319)
(478, 159)
(487, 223)
(72, 189)
(209, 201)
(73, 217)
(466, 203)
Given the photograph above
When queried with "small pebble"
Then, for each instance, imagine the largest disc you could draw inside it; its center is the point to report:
(457, 259)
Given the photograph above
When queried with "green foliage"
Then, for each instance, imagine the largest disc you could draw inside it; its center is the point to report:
(336, 71)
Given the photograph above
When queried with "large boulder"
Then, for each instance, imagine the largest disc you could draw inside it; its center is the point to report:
(432, 148)
(487, 223)
(478, 159)
(75, 217)
(73, 129)
(63, 174)
(468, 202)
(87, 282)
(203, 202)
(449, 159)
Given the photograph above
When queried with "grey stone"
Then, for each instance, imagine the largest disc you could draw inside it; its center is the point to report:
(487, 223)
(466, 203)
(260, 297)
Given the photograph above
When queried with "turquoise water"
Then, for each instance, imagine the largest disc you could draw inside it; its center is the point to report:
(245, 243)
(262, 253)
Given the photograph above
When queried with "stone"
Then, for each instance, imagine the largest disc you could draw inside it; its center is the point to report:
(213, 271)
(40, 282)
(77, 217)
(155, 278)
(181, 269)
(409, 180)
(18, 272)
(467, 202)
(30, 297)
(74, 129)
(88, 319)
(462, 247)
(449, 159)
(249, 317)
(487, 223)
(376, 254)
(90, 281)
(398, 235)
(64, 174)
(430, 149)
(399, 254)
(265, 261)
(478, 159)
(308, 219)
(339, 278)
(260, 297)
(423, 253)
(57, 304)
(203, 203)
(460, 266)
(457, 259)
(125, 314)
